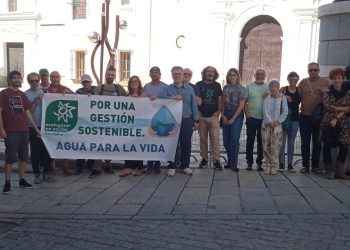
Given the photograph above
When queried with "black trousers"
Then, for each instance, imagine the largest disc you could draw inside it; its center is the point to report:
(38, 153)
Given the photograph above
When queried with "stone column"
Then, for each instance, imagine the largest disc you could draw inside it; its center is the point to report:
(334, 46)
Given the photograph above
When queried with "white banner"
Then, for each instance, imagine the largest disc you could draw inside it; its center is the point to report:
(110, 127)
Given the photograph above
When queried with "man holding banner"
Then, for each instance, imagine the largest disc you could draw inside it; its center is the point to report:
(190, 117)
(14, 116)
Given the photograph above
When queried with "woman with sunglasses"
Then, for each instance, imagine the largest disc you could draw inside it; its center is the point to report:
(234, 96)
(290, 126)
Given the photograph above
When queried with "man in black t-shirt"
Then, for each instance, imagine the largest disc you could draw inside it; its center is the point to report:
(210, 110)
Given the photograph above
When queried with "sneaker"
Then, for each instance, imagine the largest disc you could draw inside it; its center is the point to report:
(317, 171)
(260, 168)
(78, 171)
(291, 169)
(7, 188)
(37, 179)
(171, 172)
(274, 171)
(249, 168)
(157, 170)
(281, 167)
(149, 170)
(305, 170)
(235, 169)
(48, 178)
(94, 173)
(188, 171)
(203, 164)
(24, 184)
(218, 165)
(108, 170)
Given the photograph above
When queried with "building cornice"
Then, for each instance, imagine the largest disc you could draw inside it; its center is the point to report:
(19, 16)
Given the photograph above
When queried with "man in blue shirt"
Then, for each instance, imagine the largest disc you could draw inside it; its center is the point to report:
(190, 116)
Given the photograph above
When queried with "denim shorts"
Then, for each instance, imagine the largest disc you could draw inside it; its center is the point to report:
(16, 143)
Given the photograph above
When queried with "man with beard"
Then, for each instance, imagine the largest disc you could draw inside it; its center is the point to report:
(109, 89)
(209, 111)
(15, 113)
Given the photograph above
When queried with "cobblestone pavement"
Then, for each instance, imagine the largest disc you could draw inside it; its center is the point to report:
(210, 210)
(260, 233)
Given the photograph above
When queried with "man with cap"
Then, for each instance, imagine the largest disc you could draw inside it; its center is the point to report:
(44, 79)
(87, 89)
(153, 89)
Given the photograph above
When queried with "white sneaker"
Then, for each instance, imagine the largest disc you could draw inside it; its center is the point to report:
(171, 172)
(37, 179)
(188, 171)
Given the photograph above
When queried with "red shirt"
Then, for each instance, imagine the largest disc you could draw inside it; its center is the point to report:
(14, 104)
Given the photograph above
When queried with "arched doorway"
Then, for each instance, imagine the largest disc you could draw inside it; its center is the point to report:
(261, 47)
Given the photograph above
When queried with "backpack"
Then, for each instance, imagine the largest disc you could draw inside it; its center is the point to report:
(116, 89)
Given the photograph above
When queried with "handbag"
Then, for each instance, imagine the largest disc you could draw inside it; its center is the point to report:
(317, 114)
(287, 124)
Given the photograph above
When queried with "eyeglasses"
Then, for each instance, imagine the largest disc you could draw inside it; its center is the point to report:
(33, 81)
(313, 70)
(85, 82)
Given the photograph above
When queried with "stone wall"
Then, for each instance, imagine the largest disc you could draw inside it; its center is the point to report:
(334, 47)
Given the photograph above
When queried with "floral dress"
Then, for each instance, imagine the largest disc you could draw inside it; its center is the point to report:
(330, 100)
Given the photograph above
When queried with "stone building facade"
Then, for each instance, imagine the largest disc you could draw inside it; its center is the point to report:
(279, 35)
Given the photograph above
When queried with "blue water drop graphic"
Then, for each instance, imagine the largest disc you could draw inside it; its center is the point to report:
(163, 122)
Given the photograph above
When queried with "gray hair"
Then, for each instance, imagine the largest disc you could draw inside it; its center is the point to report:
(273, 82)
(176, 68)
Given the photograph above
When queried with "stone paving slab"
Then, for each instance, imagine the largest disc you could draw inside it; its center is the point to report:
(292, 204)
(257, 201)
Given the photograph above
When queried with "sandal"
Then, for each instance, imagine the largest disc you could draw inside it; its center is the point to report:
(138, 172)
(126, 172)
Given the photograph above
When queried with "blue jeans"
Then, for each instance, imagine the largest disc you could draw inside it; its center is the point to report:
(309, 130)
(185, 137)
(231, 135)
(290, 135)
(254, 130)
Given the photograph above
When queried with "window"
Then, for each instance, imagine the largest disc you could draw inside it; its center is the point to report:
(15, 57)
(125, 2)
(79, 9)
(124, 65)
(12, 5)
(78, 65)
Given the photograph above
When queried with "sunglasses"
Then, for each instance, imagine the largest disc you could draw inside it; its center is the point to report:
(33, 81)
(313, 70)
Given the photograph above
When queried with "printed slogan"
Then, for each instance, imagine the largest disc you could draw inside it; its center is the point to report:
(110, 128)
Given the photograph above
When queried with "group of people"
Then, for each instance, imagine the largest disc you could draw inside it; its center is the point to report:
(273, 116)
